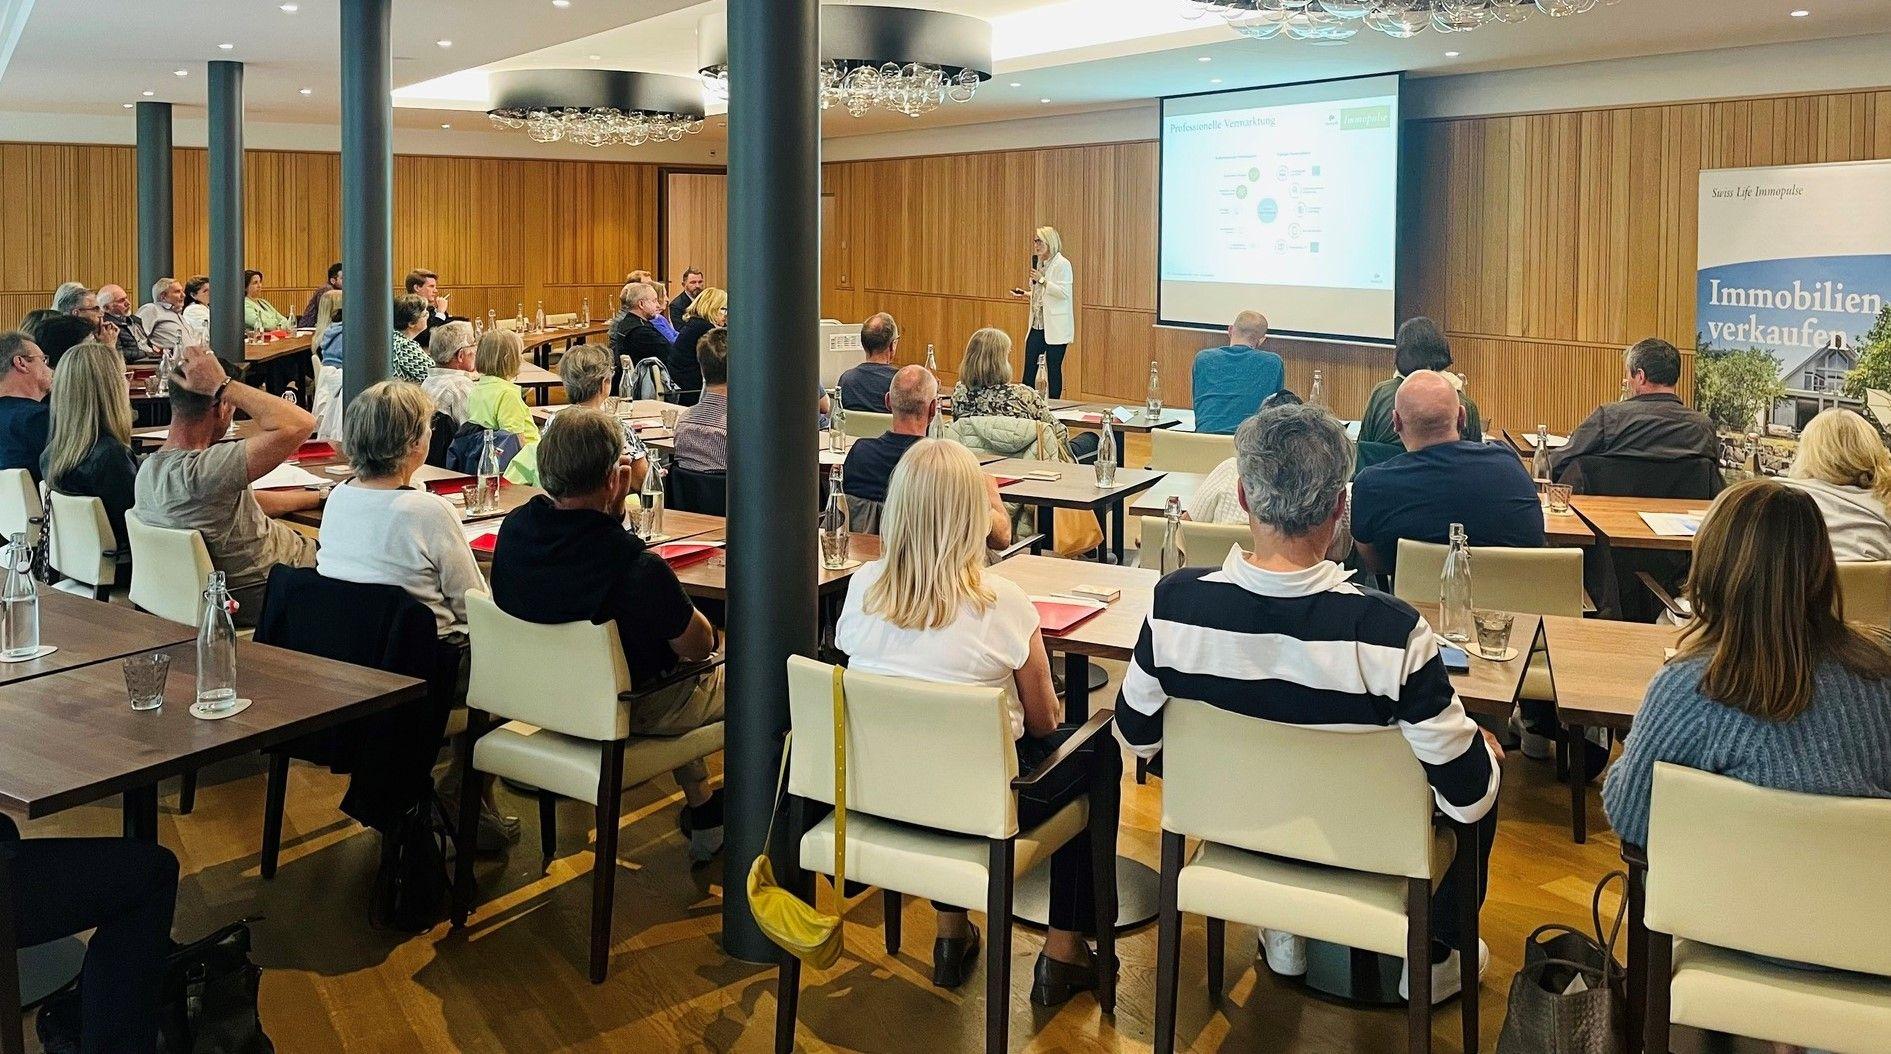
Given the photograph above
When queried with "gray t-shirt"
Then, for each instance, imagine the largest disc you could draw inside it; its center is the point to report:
(208, 491)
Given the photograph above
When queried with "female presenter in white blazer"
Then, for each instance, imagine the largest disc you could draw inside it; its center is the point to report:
(1053, 310)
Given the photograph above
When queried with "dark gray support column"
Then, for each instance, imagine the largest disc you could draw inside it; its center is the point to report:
(226, 213)
(774, 253)
(155, 256)
(367, 182)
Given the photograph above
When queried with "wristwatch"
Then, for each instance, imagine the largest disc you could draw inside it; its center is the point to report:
(217, 396)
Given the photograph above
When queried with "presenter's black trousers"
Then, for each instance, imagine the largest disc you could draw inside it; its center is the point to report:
(1035, 349)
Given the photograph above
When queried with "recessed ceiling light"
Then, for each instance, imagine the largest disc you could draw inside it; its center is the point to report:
(1017, 84)
(227, 47)
(149, 94)
(444, 43)
(306, 91)
(1453, 54)
(1043, 100)
(1206, 58)
(1801, 13)
(128, 105)
(1214, 80)
(595, 58)
(180, 73)
(289, 8)
(446, 126)
(561, 3)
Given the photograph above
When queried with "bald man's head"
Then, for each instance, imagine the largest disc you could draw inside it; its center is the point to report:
(1249, 328)
(911, 397)
(1427, 412)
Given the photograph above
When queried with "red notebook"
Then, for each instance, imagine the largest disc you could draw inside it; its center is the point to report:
(315, 448)
(682, 554)
(1006, 481)
(458, 484)
(485, 543)
(1089, 419)
(1056, 617)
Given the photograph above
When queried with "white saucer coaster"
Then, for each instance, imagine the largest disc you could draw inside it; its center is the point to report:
(340, 470)
(1508, 654)
(848, 566)
(197, 711)
(44, 650)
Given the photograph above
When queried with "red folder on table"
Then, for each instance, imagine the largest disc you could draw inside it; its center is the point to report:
(315, 449)
(485, 543)
(1057, 617)
(682, 554)
(1006, 481)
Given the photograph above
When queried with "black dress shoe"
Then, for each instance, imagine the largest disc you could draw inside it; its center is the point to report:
(952, 959)
(1054, 981)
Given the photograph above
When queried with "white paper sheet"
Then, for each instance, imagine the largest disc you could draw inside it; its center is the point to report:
(1672, 524)
(283, 477)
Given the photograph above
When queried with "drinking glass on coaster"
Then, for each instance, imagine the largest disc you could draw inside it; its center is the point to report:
(671, 415)
(1558, 496)
(1493, 634)
(145, 676)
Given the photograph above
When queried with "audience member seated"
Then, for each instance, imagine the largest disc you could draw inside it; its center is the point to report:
(307, 319)
(706, 312)
(1801, 711)
(633, 337)
(125, 892)
(197, 482)
(1441, 480)
(32, 320)
(425, 284)
(1842, 463)
(115, 307)
(451, 377)
(928, 611)
(26, 377)
(410, 361)
(197, 311)
(260, 315)
(864, 387)
(1419, 345)
(495, 401)
(73, 298)
(693, 283)
(328, 328)
(88, 452)
(1653, 425)
(163, 318)
(565, 556)
(1291, 640)
(985, 389)
(1230, 383)
(61, 333)
(586, 370)
(702, 433)
(661, 319)
(913, 400)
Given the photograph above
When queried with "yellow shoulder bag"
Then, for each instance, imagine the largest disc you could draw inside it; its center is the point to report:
(786, 919)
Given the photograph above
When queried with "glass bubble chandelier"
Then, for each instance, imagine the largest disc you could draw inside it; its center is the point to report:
(596, 107)
(1337, 21)
(900, 60)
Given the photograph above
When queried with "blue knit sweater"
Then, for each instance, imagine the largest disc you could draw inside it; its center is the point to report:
(1840, 745)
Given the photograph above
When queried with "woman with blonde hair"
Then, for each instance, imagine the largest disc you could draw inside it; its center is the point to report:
(1842, 463)
(708, 311)
(495, 401)
(1053, 309)
(88, 450)
(1770, 685)
(927, 610)
(985, 389)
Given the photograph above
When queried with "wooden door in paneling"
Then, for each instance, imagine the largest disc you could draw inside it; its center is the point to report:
(696, 227)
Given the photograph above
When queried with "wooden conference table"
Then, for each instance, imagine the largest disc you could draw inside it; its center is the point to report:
(538, 346)
(1074, 488)
(1599, 672)
(1089, 416)
(1619, 520)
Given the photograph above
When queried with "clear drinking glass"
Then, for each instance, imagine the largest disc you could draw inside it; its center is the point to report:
(145, 677)
(671, 415)
(1493, 632)
(1558, 495)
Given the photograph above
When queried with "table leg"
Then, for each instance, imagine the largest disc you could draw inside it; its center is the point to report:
(1573, 751)
(1117, 512)
(1076, 688)
(1122, 443)
(141, 813)
(1047, 526)
(1637, 958)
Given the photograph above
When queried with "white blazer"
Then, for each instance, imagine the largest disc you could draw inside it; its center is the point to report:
(1056, 296)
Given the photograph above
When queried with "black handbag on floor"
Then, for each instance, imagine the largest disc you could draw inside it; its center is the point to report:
(413, 887)
(208, 1005)
(1545, 1016)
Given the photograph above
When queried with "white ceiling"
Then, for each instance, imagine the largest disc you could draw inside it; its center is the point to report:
(1079, 54)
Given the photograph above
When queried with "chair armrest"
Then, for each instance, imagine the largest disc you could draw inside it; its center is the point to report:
(1016, 547)
(1661, 594)
(676, 677)
(1097, 723)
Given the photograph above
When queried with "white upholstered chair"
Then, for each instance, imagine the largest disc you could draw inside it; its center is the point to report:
(1173, 451)
(932, 812)
(569, 739)
(1203, 544)
(862, 424)
(82, 547)
(21, 511)
(1546, 581)
(1736, 872)
(1865, 588)
(1285, 845)
(170, 569)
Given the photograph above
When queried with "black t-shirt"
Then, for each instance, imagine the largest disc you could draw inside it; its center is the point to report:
(23, 427)
(557, 565)
(870, 463)
(1420, 495)
(865, 386)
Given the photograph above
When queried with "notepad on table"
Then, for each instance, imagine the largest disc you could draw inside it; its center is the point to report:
(1672, 524)
(287, 476)
(682, 554)
(482, 535)
(1058, 615)
(1078, 417)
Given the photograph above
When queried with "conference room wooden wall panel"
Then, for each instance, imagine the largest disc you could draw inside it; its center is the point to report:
(59, 218)
(696, 228)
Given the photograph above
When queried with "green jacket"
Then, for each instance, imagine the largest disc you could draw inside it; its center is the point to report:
(1376, 425)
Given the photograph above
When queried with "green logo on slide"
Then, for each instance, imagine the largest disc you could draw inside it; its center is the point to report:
(1357, 118)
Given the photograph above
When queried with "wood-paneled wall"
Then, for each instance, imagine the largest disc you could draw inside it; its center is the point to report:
(499, 231)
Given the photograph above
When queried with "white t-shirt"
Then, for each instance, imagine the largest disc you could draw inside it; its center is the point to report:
(405, 538)
(977, 648)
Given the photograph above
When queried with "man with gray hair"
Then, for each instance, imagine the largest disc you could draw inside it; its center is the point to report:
(633, 336)
(451, 377)
(865, 386)
(1230, 383)
(163, 318)
(26, 378)
(72, 298)
(1281, 634)
(115, 307)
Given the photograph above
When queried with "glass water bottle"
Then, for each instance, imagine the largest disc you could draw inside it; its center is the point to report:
(538, 318)
(485, 498)
(1540, 461)
(492, 320)
(1454, 590)
(587, 312)
(1044, 377)
(836, 423)
(519, 319)
(1172, 534)
(834, 533)
(21, 625)
(1106, 454)
(1316, 395)
(1152, 406)
(650, 506)
(216, 650)
(932, 360)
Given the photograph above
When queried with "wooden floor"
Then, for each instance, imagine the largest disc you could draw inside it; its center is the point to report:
(514, 980)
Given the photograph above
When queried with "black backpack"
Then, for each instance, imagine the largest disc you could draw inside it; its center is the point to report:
(208, 1005)
(413, 888)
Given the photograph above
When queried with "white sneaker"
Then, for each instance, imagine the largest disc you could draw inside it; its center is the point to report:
(1537, 746)
(1446, 978)
(1286, 954)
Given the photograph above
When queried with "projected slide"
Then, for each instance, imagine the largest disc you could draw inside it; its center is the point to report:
(1283, 200)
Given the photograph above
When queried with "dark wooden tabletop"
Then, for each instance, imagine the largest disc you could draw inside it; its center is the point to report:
(1076, 485)
(709, 579)
(73, 738)
(86, 631)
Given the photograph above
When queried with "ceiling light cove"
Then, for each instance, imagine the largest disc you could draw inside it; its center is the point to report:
(1337, 21)
(596, 107)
